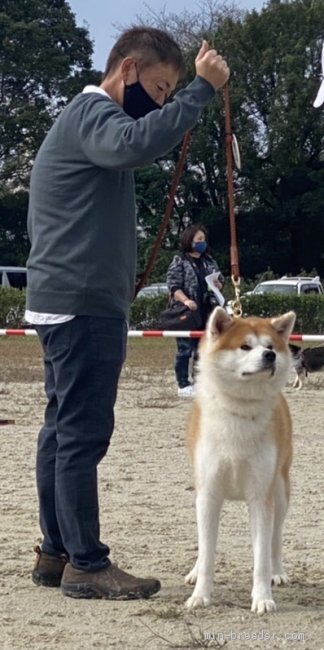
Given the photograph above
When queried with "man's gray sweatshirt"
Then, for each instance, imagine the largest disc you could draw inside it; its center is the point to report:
(82, 217)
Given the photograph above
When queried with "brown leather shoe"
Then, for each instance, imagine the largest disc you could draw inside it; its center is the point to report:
(48, 569)
(111, 583)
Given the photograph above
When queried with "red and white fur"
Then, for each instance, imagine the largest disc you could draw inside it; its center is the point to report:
(239, 438)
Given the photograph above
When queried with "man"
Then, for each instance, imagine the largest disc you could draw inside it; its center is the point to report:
(81, 278)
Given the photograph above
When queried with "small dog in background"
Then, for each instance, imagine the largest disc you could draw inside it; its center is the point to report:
(240, 442)
(305, 361)
(299, 366)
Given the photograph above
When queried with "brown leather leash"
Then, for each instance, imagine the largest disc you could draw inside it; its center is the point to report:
(167, 213)
(234, 260)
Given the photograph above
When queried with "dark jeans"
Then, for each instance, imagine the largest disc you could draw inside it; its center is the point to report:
(83, 359)
(186, 348)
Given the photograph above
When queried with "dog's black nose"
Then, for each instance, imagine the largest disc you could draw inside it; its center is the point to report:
(269, 356)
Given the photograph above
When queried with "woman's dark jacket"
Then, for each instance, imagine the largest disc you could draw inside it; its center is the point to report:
(182, 275)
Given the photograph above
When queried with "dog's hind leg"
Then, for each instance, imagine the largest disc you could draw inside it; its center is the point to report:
(296, 383)
(299, 382)
(208, 507)
(261, 515)
(279, 576)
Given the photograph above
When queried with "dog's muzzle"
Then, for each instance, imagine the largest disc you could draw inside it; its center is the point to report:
(267, 362)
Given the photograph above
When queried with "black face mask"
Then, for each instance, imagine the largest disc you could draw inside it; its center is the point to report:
(137, 101)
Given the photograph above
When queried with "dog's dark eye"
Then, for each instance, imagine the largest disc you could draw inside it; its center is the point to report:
(270, 347)
(246, 347)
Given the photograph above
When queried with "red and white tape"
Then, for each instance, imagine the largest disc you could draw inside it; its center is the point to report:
(294, 338)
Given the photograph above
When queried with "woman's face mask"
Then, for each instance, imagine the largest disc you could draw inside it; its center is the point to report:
(199, 247)
(137, 101)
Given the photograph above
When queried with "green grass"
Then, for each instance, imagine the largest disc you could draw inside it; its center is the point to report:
(21, 357)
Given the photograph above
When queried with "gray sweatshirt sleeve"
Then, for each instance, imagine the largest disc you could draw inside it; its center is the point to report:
(113, 140)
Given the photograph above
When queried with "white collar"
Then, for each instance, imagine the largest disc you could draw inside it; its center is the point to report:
(95, 89)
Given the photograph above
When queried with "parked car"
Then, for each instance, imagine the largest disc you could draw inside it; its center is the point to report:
(153, 290)
(286, 285)
(290, 285)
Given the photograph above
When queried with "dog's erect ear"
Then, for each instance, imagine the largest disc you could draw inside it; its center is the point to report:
(219, 321)
(284, 324)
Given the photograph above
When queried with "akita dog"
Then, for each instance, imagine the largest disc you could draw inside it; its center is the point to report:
(239, 438)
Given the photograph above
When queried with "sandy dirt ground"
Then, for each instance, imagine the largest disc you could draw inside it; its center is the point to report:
(148, 519)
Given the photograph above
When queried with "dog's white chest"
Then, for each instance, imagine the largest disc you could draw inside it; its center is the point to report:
(237, 457)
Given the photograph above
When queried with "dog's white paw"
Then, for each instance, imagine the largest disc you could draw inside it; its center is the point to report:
(198, 601)
(263, 606)
(280, 579)
(191, 577)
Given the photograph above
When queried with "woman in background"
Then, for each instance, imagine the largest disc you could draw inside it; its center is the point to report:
(186, 282)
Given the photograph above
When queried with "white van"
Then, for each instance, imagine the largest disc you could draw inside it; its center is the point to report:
(13, 276)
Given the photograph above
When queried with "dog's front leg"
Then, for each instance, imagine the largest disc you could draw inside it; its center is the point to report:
(208, 507)
(261, 514)
(279, 577)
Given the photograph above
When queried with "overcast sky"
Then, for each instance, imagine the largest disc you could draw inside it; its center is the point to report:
(103, 17)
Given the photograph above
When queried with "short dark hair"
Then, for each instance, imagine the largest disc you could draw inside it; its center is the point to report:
(188, 235)
(149, 46)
